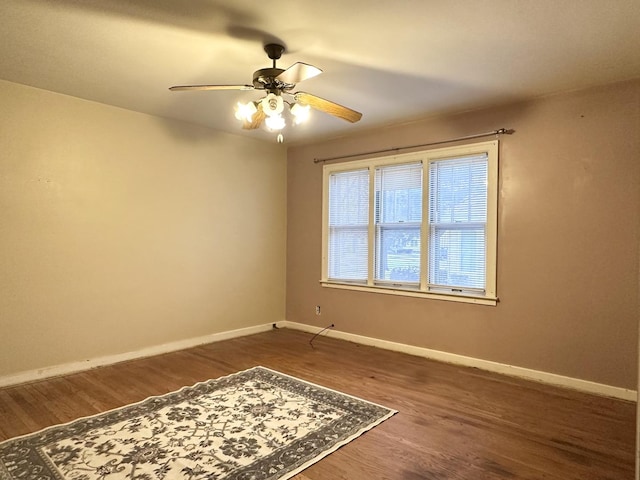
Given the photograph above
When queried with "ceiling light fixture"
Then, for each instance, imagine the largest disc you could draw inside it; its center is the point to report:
(273, 109)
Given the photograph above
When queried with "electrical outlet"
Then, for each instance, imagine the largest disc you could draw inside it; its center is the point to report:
(317, 309)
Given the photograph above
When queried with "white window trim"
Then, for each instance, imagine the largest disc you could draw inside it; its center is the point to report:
(490, 296)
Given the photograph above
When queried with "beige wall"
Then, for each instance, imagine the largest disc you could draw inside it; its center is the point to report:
(121, 231)
(638, 387)
(569, 231)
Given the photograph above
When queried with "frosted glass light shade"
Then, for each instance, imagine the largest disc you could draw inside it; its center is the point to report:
(275, 122)
(245, 111)
(300, 113)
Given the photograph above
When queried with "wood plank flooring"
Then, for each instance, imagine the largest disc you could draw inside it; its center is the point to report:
(453, 422)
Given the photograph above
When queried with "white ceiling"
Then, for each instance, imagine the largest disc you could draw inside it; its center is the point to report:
(392, 61)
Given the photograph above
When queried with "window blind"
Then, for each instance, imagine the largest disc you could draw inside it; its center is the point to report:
(348, 225)
(457, 223)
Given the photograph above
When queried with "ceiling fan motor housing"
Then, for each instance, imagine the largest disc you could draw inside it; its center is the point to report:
(265, 79)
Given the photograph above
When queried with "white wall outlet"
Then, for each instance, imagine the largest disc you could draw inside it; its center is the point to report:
(317, 309)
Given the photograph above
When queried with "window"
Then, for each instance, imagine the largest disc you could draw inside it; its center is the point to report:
(398, 219)
(457, 223)
(419, 224)
(348, 225)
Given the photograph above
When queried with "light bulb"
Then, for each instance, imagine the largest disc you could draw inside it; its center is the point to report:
(245, 111)
(280, 138)
(300, 113)
(275, 122)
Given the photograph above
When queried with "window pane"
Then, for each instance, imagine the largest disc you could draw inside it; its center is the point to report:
(349, 198)
(348, 256)
(399, 193)
(458, 190)
(398, 254)
(398, 213)
(348, 225)
(457, 257)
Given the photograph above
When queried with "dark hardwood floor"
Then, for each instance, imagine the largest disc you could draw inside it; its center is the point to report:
(453, 422)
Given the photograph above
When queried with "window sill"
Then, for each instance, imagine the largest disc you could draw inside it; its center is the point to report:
(478, 300)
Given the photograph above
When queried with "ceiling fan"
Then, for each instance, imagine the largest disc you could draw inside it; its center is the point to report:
(278, 82)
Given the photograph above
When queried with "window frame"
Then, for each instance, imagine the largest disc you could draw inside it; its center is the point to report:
(489, 297)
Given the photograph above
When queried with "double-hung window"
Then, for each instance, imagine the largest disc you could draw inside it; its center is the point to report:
(419, 224)
(348, 225)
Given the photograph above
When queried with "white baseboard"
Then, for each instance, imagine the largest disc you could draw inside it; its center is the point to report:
(74, 367)
(529, 374)
(526, 373)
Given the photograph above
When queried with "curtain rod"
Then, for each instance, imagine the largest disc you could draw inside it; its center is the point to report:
(501, 131)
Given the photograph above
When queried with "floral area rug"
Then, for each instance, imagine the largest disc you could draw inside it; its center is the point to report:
(253, 425)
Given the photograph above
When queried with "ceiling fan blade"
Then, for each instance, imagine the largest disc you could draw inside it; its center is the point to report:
(328, 107)
(298, 72)
(256, 120)
(210, 87)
